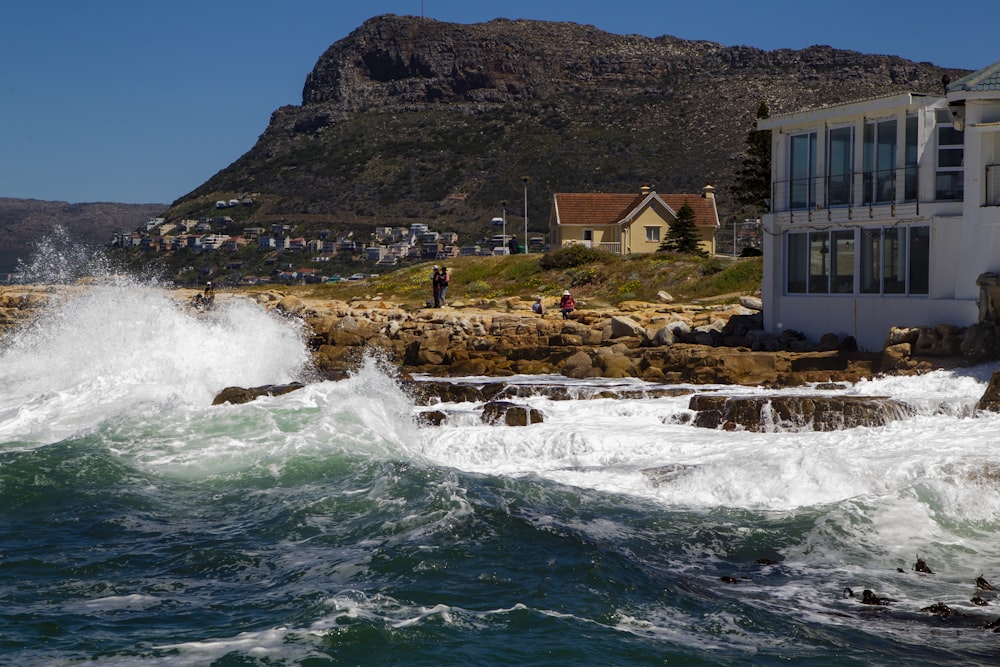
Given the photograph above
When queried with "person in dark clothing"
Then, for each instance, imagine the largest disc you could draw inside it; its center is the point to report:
(436, 281)
(512, 245)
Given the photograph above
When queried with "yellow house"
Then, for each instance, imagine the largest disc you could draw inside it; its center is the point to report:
(628, 223)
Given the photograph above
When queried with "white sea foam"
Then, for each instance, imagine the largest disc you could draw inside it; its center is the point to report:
(115, 347)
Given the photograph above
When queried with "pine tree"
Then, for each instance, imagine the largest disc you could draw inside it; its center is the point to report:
(752, 189)
(682, 236)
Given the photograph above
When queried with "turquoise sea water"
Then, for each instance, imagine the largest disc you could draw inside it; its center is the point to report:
(143, 526)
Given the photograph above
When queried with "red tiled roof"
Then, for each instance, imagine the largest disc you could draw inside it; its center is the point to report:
(587, 208)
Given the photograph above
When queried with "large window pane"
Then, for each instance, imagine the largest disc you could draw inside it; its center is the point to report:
(880, 161)
(885, 161)
(950, 157)
(802, 170)
(894, 262)
(840, 153)
(911, 158)
(798, 264)
(842, 262)
(920, 253)
(870, 254)
(819, 262)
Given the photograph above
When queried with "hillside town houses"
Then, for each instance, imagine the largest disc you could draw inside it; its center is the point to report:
(387, 246)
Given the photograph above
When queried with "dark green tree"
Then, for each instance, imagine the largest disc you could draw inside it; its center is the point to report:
(752, 189)
(683, 234)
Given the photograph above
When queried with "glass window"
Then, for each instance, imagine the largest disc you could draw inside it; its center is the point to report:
(802, 171)
(797, 253)
(653, 234)
(880, 161)
(870, 254)
(840, 143)
(894, 261)
(950, 175)
(819, 262)
(842, 262)
(910, 193)
(920, 259)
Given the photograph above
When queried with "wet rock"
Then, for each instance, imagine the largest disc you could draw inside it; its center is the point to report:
(869, 597)
(237, 395)
(990, 400)
(510, 414)
(432, 417)
(804, 412)
(942, 610)
(921, 566)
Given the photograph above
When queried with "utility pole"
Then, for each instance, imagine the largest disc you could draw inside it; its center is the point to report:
(503, 212)
(525, 179)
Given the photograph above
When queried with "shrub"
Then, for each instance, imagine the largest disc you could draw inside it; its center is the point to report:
(572, 255)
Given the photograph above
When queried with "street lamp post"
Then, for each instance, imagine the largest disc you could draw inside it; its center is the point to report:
(525, 179)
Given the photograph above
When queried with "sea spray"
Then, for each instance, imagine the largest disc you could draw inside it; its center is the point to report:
(104, 349)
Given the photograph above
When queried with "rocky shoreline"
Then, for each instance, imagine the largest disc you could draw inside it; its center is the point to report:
(658, 342)
(663, 343)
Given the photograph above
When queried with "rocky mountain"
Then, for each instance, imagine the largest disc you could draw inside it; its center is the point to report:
(24, 222)
(412, 120)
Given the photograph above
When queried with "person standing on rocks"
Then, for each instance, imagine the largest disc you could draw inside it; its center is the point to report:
(445, 279)
(566, 304)
(436, 282)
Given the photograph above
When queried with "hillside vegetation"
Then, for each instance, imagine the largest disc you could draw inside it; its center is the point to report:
(601, 281)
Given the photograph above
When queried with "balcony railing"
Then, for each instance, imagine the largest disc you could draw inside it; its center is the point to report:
(854, 195)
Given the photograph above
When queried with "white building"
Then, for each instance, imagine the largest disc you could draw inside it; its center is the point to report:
(884, 212)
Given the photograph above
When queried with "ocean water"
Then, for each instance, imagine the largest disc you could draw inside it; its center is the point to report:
(143, 526)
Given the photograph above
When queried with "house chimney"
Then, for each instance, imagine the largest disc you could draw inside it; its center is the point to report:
(645, 189)
(708, 192)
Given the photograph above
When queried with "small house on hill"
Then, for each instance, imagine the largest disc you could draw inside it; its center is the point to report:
(628, 223)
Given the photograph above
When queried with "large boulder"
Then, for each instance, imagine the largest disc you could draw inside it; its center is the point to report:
(510, 414)
(622, 326)
(237, 395)
(798, 413)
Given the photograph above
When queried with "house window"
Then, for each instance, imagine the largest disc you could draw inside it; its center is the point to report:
(880, 161)
(802, 171)
(993, 185)
(797, 256)
(840, 142)
(820, 262)
(920, 260)
(653, 234)
(911, 157)
(842, 261)
(588, 235)
(895, 260)
(950, 159)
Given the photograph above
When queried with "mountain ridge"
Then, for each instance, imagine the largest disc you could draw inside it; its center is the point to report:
(413, 120)
(410, 119)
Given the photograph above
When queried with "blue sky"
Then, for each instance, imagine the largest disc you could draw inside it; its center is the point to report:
(142, 101)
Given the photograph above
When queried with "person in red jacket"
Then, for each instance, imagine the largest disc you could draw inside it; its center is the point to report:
(566, 304)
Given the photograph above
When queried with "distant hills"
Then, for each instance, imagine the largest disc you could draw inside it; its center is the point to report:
(23, 222)
(409, 119)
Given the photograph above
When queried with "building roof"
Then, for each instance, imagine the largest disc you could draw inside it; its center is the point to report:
(591, 209)
(987, 78)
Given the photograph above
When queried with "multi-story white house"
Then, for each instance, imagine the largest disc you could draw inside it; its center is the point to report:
(884, 212)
